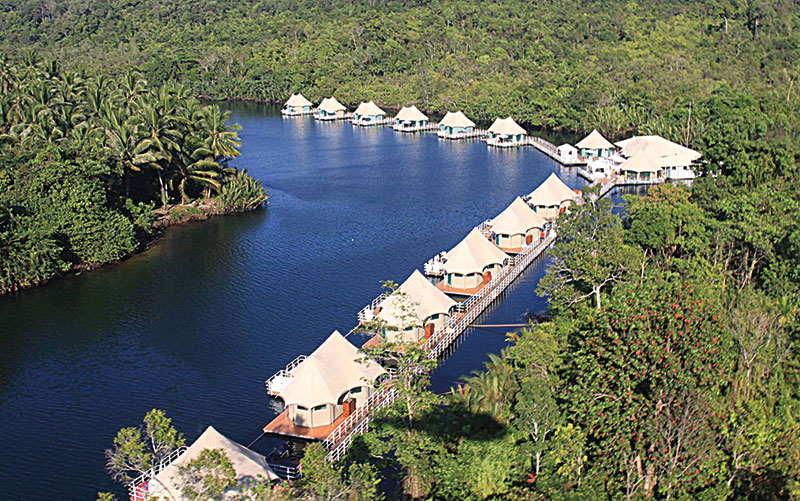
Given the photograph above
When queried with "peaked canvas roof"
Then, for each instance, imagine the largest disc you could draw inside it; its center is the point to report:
(248, 464)
(297, 100)
(456, 119)
(642, 161)
(369, 109)
(595, 141)
(327, 373)
(517, 218)
(331, 105)
(473, 254)
(506, 127)
(663, 151)
(410, 113)
(551, 192)
(422, 299)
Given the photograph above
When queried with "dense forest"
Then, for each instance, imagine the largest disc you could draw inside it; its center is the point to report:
(668, 368)
(90, 167)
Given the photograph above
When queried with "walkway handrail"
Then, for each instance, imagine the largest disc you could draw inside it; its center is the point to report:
(137, 489)
(286, 372)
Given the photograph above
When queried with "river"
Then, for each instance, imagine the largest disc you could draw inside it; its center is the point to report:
(197, 323)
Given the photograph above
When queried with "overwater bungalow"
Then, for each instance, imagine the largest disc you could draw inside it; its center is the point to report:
(414, 311)
(551, 198)
(505, 132)
(456, 126)
(410, 119)
(250, 468)
(297, 105)
(324, 389)
(595, 146)
(368, 114)
(568, 153)
(471, 264)
(517, 227)
(330, 109)
(642, 168)
(675, 160)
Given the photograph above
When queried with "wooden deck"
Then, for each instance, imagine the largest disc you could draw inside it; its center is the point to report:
(442, 286)
(282, 425)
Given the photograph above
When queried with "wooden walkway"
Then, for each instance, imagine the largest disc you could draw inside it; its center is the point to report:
(283, 426)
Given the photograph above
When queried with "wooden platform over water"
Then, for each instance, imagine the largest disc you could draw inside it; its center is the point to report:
(283, 426)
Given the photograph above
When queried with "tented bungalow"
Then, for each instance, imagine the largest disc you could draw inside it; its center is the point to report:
(297, 105)
(456, 126)
(551, 198)
(250, 468)
(595, 146)
(410, 119)
(329, 383)
(516, 227)
(414, 311)
(642, 168)
(471, 264)
(368, 114)
(676, 160)
(505, 132)
(568, 153)
(330, 109)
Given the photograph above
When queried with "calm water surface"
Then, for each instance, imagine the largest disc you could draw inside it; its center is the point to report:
(196, 324)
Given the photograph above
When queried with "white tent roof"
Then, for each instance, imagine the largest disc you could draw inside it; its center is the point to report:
(551, 192)
(595, 141)
(331, 105)
(517, 218)
(663, 151)
(506, 127)
(568, 147)
(369, 109)
(248, 465)
(410, 113)
(641, 161)
(421, 300)
(456, 119)
(473, 254)
(298, 100)
(326, 374)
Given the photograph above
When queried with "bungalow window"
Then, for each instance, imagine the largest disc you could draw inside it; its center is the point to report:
(320, 407)
(434, 317)
(301, 408)
(355, 390)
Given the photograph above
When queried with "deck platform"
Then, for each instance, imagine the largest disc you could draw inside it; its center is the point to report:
(283, 426)
(458, 292)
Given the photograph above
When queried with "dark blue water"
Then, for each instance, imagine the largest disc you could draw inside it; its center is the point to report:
(194, 325)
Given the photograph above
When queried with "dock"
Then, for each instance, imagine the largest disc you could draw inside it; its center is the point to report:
(551, 151)
(358, 422)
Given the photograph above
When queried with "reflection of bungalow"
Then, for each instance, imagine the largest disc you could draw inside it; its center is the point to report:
(551, 197)
(329, 383)
(331, 109)
(641, 168)
(505, 132)
(455, 126)
(297, 105)
(517, 226)
(410, 119)
(676, 160)
(568, 153)
(250, 467)
(415, 310)
(471, 264)
(368, 114)
(595, 146)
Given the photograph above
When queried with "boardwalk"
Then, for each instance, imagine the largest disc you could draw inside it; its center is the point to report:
(358, 422)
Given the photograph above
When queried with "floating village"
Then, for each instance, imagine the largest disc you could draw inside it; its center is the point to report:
(332, 394)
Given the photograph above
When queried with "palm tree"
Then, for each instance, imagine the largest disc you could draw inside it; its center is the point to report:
(220, 138)
(124, 141)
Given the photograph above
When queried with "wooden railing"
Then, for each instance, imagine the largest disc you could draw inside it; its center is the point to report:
(286, 372)
(138, 488)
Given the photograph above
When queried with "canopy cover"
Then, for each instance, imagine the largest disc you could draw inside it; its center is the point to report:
(331, 105)
(298, 100)
(456, 119)
(473, 254)
(642, 161)
(369, 109)
(664, 152)
(551, 192)
(411, 113)
(517, 218)
(329, 372)
(413, 302)
(506, 127)
(249, 465)
(595, 141)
